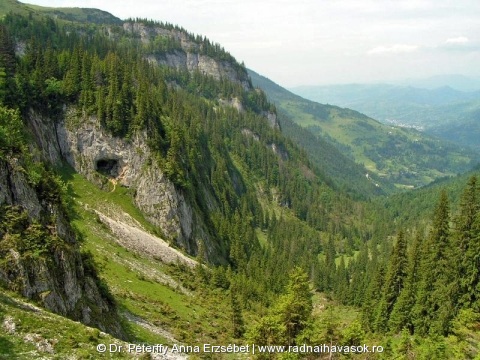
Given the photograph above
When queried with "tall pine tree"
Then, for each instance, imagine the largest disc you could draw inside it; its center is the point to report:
(401, 315)
(466, 245)
(434, 306)
(394, 282)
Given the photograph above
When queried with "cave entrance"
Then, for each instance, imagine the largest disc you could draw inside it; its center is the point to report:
(107, 167)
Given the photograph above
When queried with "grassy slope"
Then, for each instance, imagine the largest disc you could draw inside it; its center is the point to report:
(7, 6)
(69, 14)
(444, 112)
(421, 202)
(36, 332)
(136, 281)
(168, 298)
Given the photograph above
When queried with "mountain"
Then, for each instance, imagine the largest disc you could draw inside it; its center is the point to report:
(456, 81)
(147, 188)
(444, 111)
(397, 155)
(83, 15)
(340, 170)
(152, 206)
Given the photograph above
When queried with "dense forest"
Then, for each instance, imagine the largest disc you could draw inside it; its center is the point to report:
(301, 257)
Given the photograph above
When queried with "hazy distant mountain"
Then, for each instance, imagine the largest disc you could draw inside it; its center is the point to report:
(443, 111)
(455, 81)
(402, 156)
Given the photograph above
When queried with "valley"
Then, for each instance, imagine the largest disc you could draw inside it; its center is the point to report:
(443, 111)
(160, 201)
(396, 155)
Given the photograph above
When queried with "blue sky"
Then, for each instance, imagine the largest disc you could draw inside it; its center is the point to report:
(313, 42)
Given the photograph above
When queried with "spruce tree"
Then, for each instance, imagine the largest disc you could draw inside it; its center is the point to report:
(470, 277)
(394, 282)
(73, 77)
(341, 282)
(295, 307)
(7, 68)
(238, 325)
(434, 306)
(466, 245)
(373, 295)
(401, 315)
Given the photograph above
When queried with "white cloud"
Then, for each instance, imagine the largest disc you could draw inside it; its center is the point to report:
(457, 40)
(393, 49)
(311, 41)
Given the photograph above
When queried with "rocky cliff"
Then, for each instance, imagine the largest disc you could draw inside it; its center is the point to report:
(103, 158)
(186, 53)
(39, 251)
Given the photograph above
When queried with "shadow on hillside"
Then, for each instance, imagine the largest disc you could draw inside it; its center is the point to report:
(6, 349)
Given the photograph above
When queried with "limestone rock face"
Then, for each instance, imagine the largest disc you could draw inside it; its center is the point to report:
(57, 280)
(92, 151)
(196, 62)
(14, 188)
(272, 120)
(189, 57)
(164, 206)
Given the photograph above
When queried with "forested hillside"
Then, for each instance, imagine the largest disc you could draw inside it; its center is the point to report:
(148, 190)
(448, 113)
(397, 156)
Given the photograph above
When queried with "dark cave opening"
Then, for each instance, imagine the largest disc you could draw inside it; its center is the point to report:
(108, 167)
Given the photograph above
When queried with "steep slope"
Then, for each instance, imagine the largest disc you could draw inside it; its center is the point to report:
(28, 331)
(401, 156)
(464, 129)
(185, 182)
(12, 6)
(342, 171)
(165, 151)
(422, 201)
(40, 253)
(175, 149)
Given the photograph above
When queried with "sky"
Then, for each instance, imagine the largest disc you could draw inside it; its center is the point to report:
(320, 42)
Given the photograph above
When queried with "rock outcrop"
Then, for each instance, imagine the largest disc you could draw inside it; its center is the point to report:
(187, 54)
(55, 275)
(100, 157)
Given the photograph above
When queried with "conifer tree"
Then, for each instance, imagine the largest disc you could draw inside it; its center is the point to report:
(330, 266)
(466, 245)
(87, 86)
(7, 51)
(359, 276)
(341, 282)
(373, 296)
(401, 315)
(471, 266)
(73, 78)
(295, 307)
(394, 282)
(238, 325)
(434, 308)
(7, 68)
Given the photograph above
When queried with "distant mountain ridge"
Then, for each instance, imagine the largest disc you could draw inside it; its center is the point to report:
(444, 111)
(397, 155)
(455, 81)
